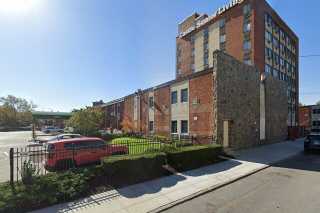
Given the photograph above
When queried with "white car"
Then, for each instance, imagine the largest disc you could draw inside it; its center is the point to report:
(65, 136)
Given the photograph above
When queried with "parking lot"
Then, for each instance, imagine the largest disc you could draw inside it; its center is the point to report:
(7, 141)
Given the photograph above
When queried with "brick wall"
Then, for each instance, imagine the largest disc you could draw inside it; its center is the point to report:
(185, 57)
(128, 109)
(305, 116)
(200, 105)
(144, 113)
(234, 32)
(162, 111)
(114, 115)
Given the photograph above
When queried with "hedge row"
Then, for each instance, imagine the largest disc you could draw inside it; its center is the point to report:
(191, 157)
(118, 171)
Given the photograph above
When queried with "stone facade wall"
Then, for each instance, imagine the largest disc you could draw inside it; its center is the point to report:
(237, 101)
(162, 111)
(276, 110)
(200, 105)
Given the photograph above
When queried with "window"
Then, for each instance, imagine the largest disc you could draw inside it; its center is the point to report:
(282, 63)
(174, 127)
(206, 61)
(222, 38)
(282, 35)
(247, 61)
(268, 53)
(275, 43)
(276, 28)
(316, 123)
(150, 126)
(192, 39)
(282, 49)
(205, 47)
(184, 95)
(246, 27)
(316, 111)
(267, 69)
(193, 68)
(206, 32)
(151, 102)
(69, 146)
(184, 127)
(174, 97)
(276, 59)
(222, 22)
(247, 45)
(246, 9)
(268, 20)
(275, 73)
(268, 37)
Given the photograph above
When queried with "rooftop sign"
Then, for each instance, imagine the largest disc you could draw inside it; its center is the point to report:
(219, 11)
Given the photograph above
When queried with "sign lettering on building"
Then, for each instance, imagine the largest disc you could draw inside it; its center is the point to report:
(219, 11)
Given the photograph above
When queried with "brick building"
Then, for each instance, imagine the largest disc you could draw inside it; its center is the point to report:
(252, 32)
(226, 84)
(309, 117)
(251, 112)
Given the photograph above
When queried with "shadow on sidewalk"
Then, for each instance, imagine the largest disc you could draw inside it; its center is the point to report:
(150, 187)
(213, 169)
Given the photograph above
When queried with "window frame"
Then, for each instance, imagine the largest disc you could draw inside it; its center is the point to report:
(176, 97)
(181, 127)
(182, 98)
(176, 126)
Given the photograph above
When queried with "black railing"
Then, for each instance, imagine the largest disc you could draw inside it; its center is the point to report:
(39, 160)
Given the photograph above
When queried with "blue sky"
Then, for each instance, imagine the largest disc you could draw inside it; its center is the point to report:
(64, 54)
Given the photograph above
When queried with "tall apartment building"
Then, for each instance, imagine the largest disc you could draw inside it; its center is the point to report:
(252, 32)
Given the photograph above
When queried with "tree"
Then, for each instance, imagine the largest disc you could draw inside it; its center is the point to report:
(86, 121)
(15, 112)
(127, 125)
(318, 103)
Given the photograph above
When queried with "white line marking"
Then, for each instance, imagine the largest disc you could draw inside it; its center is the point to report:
(6, 153)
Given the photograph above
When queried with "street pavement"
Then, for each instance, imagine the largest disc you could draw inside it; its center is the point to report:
(8, 140)
(11, 140)
(289, 186)
(162, 193)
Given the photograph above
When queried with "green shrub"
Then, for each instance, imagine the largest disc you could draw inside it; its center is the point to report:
(126, 170)
(44, 191)
(191, 157)
(28, 172)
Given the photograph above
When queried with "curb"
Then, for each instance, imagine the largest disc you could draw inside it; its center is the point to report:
(212, 188)
(205, 191)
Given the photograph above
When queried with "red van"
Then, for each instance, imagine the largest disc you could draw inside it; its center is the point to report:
(79, 151)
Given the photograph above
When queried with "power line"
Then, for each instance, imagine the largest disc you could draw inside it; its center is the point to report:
(308, 56)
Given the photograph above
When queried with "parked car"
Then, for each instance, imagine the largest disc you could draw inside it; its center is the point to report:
(65, 136)
(51, 130)
(312, 142)
(79, 151)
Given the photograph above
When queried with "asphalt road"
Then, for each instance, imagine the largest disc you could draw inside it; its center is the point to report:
(8, 140)
(291, 186)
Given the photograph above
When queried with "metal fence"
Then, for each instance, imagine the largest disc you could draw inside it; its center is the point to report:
(40, 160)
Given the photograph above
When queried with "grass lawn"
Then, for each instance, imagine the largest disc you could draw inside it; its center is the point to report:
(137, 145)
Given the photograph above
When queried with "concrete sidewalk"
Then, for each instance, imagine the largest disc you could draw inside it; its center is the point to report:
(159, 194)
